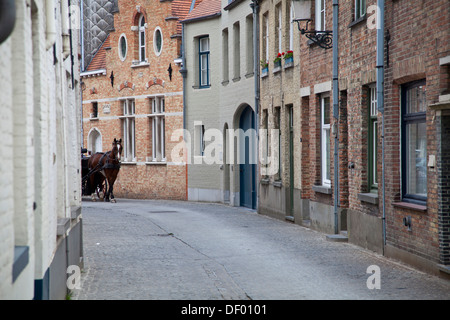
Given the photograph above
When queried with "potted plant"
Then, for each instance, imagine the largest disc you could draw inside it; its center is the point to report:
(277, 61)
(264, 68)
(288, 59)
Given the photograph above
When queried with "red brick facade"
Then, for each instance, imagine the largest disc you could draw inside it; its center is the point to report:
(417, 48)
(140, 176)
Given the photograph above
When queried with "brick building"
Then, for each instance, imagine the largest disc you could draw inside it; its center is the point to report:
(132, 89)
(280, 183)
(414, 198)
(417, 99)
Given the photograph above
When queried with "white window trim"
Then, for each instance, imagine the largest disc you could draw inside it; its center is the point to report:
(280, 29)
(361, 5)
(158, 119)
(373, 113)
(323, 128)
(122, 58)
(291, 27)
(320, 16)
(128, 120)
(154, 41)
(142, 45)
(266, 21)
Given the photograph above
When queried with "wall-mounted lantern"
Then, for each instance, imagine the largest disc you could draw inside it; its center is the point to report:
(302, 13)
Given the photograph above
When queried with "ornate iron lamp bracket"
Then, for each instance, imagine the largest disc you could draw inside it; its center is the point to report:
(323, 38)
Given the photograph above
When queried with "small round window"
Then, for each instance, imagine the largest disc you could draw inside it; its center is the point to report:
(158, 41)
(123, 47)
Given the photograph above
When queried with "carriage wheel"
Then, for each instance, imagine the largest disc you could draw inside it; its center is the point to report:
(101, 190)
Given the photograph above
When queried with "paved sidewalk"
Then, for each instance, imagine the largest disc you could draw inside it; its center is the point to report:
(172, 250)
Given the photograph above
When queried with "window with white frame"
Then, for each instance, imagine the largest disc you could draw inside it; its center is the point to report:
(291, 26)
(373, 139)
(360, 8)
(237, 51)
(142, 49)
(158, 129)
(204, 61)
(128, 130)
(325, 121)
(157, 41)
(278, 30)
(320, 15)
(265, 55)
(199, 135)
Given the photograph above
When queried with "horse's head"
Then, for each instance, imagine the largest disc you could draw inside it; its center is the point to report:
(117, 149)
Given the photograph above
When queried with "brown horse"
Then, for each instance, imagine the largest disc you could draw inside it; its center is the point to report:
(105, 168)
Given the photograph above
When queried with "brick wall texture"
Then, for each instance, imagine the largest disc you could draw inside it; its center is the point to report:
(140, 178)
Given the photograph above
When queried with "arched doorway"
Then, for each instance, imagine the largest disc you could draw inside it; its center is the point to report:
(247, 158)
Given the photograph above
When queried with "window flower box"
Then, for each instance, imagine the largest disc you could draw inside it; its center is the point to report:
(277, 63)
(288, 59)
(264, 68)
(264, 72)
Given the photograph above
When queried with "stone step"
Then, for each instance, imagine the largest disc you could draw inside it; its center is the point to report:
(337, 238)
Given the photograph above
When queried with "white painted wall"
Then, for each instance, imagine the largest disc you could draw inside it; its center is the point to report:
(39, 130)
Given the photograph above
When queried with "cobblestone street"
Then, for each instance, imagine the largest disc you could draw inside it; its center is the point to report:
(171, 250)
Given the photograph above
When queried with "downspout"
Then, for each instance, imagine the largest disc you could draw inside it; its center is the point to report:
(255, 7)
(82, 34)
(7, 18)
(183, 72)
(65, 28)
(380, 99)
(50, 31)
(71, 47)
(336, 111)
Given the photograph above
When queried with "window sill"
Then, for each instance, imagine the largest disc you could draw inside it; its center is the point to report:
(277, 184)
(128, 162)
(411, 206)
(276, 70)
(265, 181)
(21, 258)
(236, 79)
(201, 87)
(288, 65)
(140, 65)
(156, 163)
(94, 119)
(368, 197)
(322, 189)
(62, 226)
(358, 21)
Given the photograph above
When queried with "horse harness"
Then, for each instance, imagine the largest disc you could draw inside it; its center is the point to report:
(109, 164)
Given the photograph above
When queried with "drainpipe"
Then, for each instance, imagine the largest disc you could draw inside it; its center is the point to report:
(183, 72)
(336, 111)
(255, 7)
(380, 98)
(50, 31)
(65, 28)
(7, 18)
(72, 60)
(82, 34)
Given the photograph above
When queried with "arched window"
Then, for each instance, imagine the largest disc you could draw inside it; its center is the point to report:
(95, 141)
(142, 38)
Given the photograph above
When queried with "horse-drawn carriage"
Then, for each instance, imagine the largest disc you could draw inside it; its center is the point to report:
(99, 172)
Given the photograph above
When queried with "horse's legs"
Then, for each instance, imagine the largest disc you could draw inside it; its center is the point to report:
(113, 200)
(109, 193)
